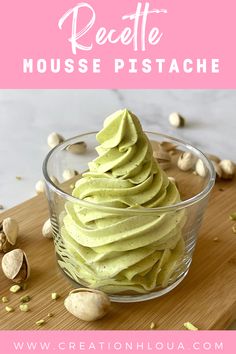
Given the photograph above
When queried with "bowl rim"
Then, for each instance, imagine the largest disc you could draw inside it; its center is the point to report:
(163, 209)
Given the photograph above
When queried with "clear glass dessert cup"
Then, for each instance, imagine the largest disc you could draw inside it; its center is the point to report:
(154, 254)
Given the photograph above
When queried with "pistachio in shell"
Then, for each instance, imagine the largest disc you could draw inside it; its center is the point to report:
(15, 266)
(87, 304)
(8, 233)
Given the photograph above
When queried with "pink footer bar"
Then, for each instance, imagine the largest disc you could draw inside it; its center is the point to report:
(39, 342)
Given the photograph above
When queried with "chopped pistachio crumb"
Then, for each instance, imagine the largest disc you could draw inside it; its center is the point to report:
(50, 314)
(24, 307)
(233, 216)
(19, 178)
(190, 326)
(15, 288)
(55, 296)
(234, 228)
(152, 325)
(25, 298)
(9, 309)
(4, 299)
(40, 322)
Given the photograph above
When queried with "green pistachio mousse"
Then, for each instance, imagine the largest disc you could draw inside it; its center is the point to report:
(123, 248)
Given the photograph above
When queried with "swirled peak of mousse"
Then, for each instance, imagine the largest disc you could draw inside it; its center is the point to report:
(125, 174)
(130, 251)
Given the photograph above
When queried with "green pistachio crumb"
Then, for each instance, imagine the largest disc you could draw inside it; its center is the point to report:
(4, 299)
(55, 296)
(25, 298)
(15, 288)
(24, 307)
(152, 325)
(40, 322)
(9, 309)
(190, 326)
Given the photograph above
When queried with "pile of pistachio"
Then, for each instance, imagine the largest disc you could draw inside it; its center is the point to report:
(85, 304)
(225, 169)
(15, 265)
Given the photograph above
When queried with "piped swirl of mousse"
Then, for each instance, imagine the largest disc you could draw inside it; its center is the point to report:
(123, 251)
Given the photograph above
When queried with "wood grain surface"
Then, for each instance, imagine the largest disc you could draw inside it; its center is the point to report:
(207, 296)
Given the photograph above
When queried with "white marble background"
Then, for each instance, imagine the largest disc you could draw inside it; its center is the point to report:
(28, 116)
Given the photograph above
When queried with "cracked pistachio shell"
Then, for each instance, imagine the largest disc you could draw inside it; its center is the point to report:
(176, 120)
(87, 304)
(15, 266)
(186, 161)
(200, 168)
(10, 228)
(54, 139)
(47, 229)
(228, 169)
(77, 148)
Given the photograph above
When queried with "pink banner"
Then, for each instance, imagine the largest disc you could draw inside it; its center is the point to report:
(117, 44)
(117, 342)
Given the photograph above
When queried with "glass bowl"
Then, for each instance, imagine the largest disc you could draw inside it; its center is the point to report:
(132, 254)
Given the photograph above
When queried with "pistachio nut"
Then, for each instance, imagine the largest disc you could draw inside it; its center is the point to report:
(77, 148)
(200, 168)
(68, 174)
(228, 169)
(8, 234)
(186, 161)
(47, 229)
(40, 186)
(54, 139)
(87, 304)
(15, 266)
(176, 120)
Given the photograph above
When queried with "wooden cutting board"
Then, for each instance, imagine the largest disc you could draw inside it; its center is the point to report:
(207, 296)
